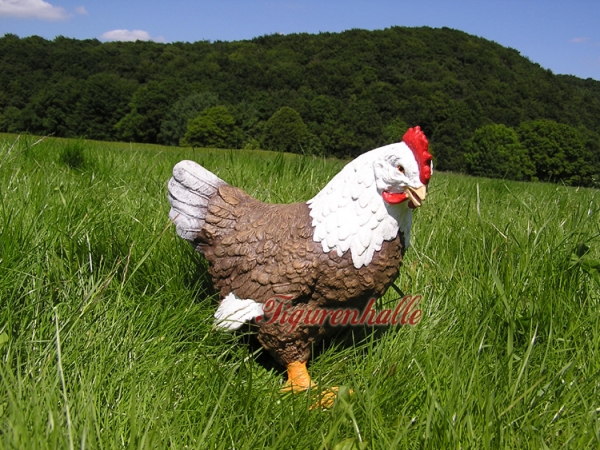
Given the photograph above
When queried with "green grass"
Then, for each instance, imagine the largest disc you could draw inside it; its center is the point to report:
(106, 337)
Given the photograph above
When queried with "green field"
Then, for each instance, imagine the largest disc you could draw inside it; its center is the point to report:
(106, 329)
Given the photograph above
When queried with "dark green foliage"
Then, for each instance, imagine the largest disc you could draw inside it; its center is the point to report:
(174, 124)
(286, 132)
(214, 127)
(103, 102)
(53, 110)
(10, 120)
(592, 145)
(354, 90)
(394, 131)
(494, 151)
(558, 152)
(148, 106)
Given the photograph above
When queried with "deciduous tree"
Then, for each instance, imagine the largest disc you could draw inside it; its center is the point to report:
(173, 126)
(558, 152)
(286, 131)
(494, 151)
(214, 127)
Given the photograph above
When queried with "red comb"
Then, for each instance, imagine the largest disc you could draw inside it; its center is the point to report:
(417, 142)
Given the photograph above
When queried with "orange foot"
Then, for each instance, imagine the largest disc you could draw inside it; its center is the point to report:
(298, 378)
(299, 381)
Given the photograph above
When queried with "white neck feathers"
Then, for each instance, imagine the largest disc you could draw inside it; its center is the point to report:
(350, 214)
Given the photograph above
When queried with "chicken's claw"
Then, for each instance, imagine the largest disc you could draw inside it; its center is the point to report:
(299, 381)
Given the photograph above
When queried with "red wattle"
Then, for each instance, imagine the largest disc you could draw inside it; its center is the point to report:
(393, 198)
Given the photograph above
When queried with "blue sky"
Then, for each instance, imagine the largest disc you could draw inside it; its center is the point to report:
(563, 36)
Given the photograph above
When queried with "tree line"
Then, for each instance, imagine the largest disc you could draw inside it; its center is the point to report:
(486, 109)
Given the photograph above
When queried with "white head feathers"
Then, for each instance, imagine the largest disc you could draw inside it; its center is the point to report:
(350, 212)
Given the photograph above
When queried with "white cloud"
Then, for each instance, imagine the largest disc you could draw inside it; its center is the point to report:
(130, 35)
(32, 9)
(579, 40)
(81, 10)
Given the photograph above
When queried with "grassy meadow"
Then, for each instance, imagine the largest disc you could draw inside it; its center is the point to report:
(106, 328)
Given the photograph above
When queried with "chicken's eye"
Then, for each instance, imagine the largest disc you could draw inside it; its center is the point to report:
(401, 169)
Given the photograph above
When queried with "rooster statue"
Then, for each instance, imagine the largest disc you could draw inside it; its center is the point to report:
(338, 250)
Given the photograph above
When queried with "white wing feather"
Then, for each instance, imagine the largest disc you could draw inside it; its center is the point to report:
(233, 312)
(349, 214)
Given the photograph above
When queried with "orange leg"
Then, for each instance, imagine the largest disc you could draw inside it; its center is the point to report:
(298, 378)
(299, 381)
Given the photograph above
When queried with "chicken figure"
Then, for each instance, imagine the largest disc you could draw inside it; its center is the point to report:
(338, 250)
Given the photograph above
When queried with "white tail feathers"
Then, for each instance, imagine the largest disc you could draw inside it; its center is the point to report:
(190, 189)
(233, 312)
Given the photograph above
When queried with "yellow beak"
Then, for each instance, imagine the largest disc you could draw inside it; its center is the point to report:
(416, 196)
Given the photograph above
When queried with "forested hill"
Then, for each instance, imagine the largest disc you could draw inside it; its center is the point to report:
(486, 109)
